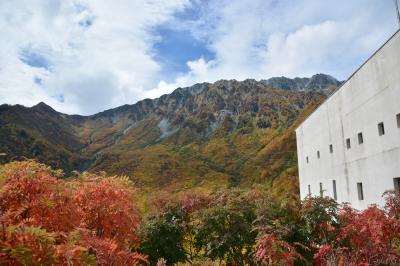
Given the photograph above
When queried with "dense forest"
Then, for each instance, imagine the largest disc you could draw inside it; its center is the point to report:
(94, 219)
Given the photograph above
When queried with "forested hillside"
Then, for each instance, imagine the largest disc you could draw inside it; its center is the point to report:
(225, 134)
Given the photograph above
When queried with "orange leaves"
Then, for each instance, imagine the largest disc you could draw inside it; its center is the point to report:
(30, 191)
(27, 245)
(107, 251)
(45, 220)
(109, 209)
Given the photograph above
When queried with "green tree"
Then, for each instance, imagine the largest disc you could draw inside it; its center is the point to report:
(225, 232)
(320, 218)
(163, 239)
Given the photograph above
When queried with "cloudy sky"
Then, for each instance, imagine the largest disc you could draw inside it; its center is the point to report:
(84, 56)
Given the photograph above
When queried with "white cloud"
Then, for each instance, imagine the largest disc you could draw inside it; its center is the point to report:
(264, 38)
(100, 52)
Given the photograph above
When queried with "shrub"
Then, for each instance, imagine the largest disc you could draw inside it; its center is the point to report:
(272, 251)
(164, 240)
(226, 231)
(369, 237)
(49, 221)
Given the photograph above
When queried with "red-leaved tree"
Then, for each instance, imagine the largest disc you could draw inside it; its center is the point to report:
(109, 209)
(369, 237)
(48, 221)
(273, 251)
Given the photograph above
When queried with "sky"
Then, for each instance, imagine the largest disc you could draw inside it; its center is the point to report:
(85, 56)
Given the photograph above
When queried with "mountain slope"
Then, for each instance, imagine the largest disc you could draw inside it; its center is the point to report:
(208, 135)
(40, 132)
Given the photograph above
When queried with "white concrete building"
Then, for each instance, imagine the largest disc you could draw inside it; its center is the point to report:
(349, 148)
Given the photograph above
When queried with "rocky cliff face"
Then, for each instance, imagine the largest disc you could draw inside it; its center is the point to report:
(320, 82)
(207, 135)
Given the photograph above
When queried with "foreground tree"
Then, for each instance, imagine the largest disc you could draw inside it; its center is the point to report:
(369, 237)
(108, 208)
(170, 233)
(48, 221)
(273, 251)
(163, 239)
(225, 232)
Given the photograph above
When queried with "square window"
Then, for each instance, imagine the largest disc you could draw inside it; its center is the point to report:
(318, 155)
(398, 120)
(348, 144)
(396, 182)
(360, 191)
(331, 148)
(307, 159)
(360, 138)
(334, 189)
(381, 129)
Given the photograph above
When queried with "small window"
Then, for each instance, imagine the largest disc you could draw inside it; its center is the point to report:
(398, 120)
(334, 189)
(309, 190)
(331, 148)
(360, 138)
(318, 155)
(396, 182)
(348, 144)
(321, 191)
(307, 159)
(381, 129)
(360, 191)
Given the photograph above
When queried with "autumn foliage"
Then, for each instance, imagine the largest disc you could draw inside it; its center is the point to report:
(369, 237)
(272, 251)
(49, 221)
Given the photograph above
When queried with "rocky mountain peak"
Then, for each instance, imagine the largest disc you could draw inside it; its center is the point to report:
(205, 135)
(43, 107)
(315, 83)
(321, 82)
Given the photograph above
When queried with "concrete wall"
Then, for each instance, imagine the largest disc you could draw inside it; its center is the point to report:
(369, 97)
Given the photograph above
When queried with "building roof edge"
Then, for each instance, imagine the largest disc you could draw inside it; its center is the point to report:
(351, 76)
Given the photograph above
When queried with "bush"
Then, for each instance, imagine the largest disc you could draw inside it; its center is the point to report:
(226, 229)
(49, 221)
(95, 220)
(164, 240)
(369, 237)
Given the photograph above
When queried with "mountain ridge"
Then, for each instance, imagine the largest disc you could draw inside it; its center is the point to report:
(207, 134)
(284, 83)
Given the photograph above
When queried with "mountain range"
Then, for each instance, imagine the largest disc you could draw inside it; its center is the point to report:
(227, 133)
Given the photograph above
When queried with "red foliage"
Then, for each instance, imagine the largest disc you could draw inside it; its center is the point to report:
(48, 221)
(33, 196)
(365, 238)
(109, 210)
(108, 252)
(191, 202)
(392, 205)
(27, 245)
(272, 251)
(160, 202)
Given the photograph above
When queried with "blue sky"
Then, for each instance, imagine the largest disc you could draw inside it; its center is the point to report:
(175, 48)
(84, 56)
